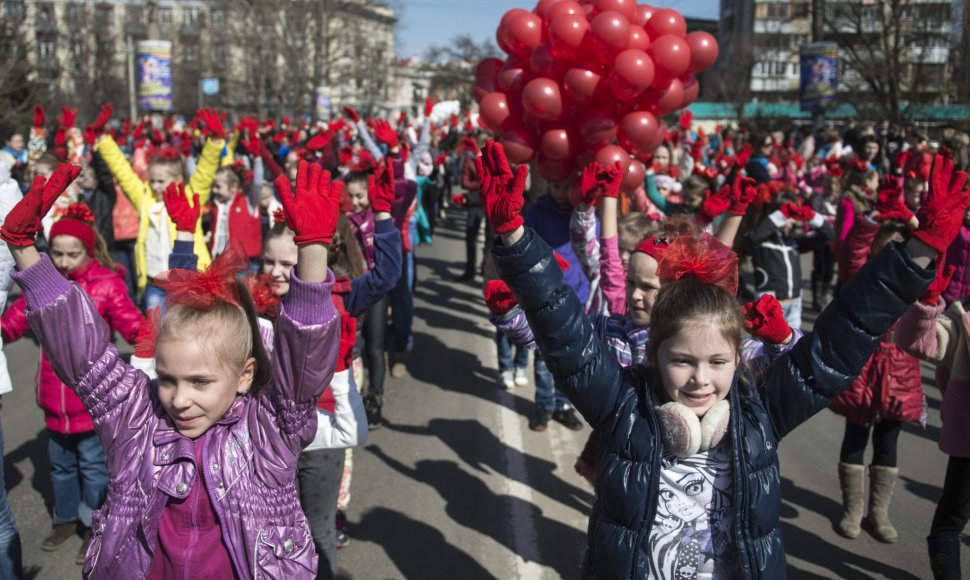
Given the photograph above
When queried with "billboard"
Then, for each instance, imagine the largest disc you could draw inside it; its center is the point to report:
(819, 84)
(153, 60)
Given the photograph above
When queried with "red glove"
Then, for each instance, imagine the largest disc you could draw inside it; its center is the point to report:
(213, 124)
(890, 206)
(499, 298)
(385, 134)
(936, 289)
(352, 114)
(312, 213)
(684, 120)
(148, 333)
(501, 190)
(103, 117)
(184, 216)
(765, 320)
(599, 181)
(428, 106)
(90, 137)
(715, 204)
(67, 118)
(460, 199)
(743, 156)
(402, 120)
(319, 141)
(21, 225)
(39, 116)
(348, 338)
(251, 142)
(799, 213)
(742, 194)
(940, 217)
(380, 187)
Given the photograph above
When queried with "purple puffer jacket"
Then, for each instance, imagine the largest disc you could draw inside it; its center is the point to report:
(248, 464)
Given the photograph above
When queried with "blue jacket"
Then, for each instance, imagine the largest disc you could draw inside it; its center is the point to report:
(619, 403)
(551, 222)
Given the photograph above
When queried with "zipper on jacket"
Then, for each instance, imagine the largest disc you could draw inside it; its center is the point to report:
(740, 509)
(654, 488)
(217, 508)
(187, 553)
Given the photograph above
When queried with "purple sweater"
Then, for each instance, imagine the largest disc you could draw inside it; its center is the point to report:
(247, 465)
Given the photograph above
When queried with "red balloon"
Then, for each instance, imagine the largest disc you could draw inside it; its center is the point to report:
(627, 8)
(634, 176)
(542, 99)
(665, 21)
(638, 38)
(543, 64)
(520, 145)
(631, 75)
(501, 33)
(563, 8)
(482, 89)
(703, 50)
(511, 77)
(557, 144)
(671, 55)
(579, 85)
(644, 13)
(611, 154)
(610, 32)
(554, 169)
(669, 99)
(597, 127)
(524, 33)
(494, 111)
(567, 35)
(544, 6)
(487, 68)
(636, 131)
(692, 89)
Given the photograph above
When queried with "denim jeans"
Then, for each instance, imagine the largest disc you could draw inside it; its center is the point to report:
(547, 396)
(78, 474)
(152, 296)
(11, 562)
(318, 482)
(402, 306)
(506, 361)
(793, 313)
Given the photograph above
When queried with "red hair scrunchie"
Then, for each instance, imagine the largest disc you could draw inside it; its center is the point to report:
(704, 258)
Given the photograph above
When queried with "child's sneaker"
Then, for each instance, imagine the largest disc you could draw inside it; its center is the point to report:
(343, 537)
(520, 379)
(507, 380)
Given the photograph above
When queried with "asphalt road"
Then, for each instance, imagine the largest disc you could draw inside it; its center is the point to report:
(455, 485)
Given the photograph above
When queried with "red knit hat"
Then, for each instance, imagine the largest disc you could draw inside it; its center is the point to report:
(77, 221)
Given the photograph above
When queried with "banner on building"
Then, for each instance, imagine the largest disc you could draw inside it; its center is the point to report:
(819, 75)
(324, 104)
(154, 69)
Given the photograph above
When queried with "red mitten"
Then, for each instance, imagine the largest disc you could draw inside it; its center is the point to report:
(312, 213)
(590, 187)
(90, 137)
(184, 216)
(501, 189)
(319, 141)
(148, 334)
(765, 320)
(67, 118)
(385, 134)
(102, 120)
(22, 223)
(742, 194)
(499, 298)
(380, 187)
(428, 106)
(936, 289)
(460, 199)
(799, 213)
(213, 124)
(715, 204)
(685, 119)
(890, 206)
(942, 214)
(40, 117)
(352, 114)
(743, 156)
(348, 338)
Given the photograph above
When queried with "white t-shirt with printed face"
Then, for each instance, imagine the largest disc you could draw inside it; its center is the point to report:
(692, 537)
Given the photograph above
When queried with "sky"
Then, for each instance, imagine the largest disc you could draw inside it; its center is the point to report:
(433, 22)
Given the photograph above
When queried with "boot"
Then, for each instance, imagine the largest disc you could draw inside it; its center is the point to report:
(60, 535)
(944, 557)
(882, 480)
(852, 480)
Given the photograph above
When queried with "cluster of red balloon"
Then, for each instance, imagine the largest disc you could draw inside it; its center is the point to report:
(588, 79)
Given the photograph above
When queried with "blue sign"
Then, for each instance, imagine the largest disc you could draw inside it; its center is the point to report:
(154, 64)
(819, 75)
(210, 86)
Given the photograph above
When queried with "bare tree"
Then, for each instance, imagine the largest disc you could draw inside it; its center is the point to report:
(453, 66)
(18, 89)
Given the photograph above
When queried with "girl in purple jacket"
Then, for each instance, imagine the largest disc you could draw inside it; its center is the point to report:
(202, 461)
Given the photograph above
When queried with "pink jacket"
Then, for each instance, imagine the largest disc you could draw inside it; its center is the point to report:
(63, 411)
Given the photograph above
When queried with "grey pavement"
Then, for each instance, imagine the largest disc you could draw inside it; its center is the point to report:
(455, 485)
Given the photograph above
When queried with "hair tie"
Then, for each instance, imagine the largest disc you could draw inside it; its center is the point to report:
(204, 290)
(704, 258)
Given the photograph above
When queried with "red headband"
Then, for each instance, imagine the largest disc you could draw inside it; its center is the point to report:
(653, 247)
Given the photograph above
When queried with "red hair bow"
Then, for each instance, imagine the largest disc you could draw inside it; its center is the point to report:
(653, 247)
(279, 217)
(262, 288)
(80, 212)
(166, 153)
(204, 290)
(704, 258)
(860, 165)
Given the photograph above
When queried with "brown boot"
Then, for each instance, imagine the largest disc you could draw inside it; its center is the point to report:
(852, 480)
(86, 536)
(882, 481)
(60, 535)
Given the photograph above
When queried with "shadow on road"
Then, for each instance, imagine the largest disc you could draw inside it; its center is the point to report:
(34, 450)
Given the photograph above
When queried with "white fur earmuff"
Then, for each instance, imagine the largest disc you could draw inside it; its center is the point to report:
(684, 434)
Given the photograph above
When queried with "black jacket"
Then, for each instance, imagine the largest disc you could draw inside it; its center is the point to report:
(775, 255)
(102, 200)
(619, 404)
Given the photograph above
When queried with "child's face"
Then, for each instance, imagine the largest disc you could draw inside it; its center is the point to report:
(627, 244)
(266, 195)
(195, 387)
(88, 179)
(68, 253)
(43, 170)
(358, 196)
(279, 257)
(159, 178)
(222, 190)
(642, 285)
(913, 194)
(697, 367)
(872, 182)
(661, 157)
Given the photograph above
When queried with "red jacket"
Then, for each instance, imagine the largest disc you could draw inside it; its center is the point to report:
(63, 411)
(890, 386)
(243, 226)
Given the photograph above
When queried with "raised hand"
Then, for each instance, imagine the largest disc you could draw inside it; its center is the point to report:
(499, 298)
(102, 120)
(743, 193)
(428, 106)
(67, 118)
(715, 204)
(890, 206)
(184, 216)
(380, 187)
(940, 217)
(936, 289)
(385, 134)
(213, 124)
(764, 319)
(21, 225)
(40, 117)
(502, 191)
(148, 334)
(313, 211)
(799, 213)
(352, 114)
(600, 181)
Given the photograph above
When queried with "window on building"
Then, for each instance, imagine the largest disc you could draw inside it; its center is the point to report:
(77, 49)
(190, 51)
(45, 15)
(46, 47)
(13, 10)
(218, 18)
(104, 16)
(105, 48)
(75, 14)
(165, 15)
(219, 54)
(191, 16)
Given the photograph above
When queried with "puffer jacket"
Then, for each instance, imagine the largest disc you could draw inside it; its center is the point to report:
(63, 411)
(619, 403)
(890, 386)
(248, 462)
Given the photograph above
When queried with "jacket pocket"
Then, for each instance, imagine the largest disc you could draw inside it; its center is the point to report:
(284, 552)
